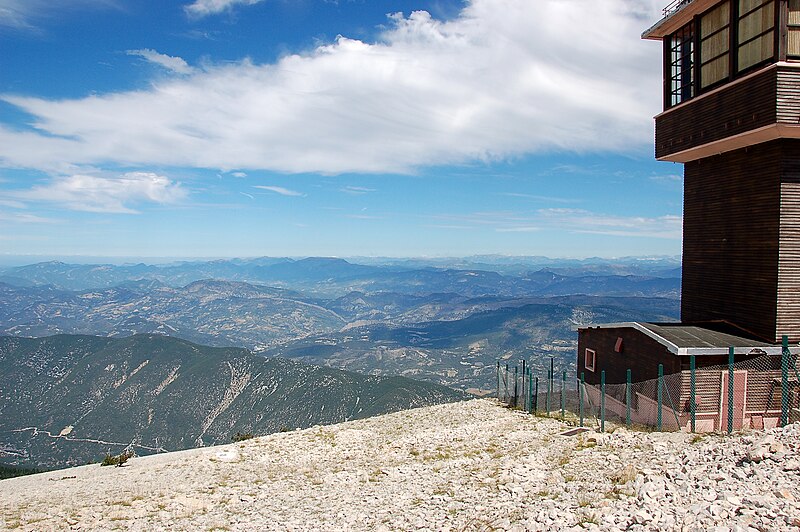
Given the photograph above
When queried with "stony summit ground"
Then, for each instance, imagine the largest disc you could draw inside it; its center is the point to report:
(464, 466)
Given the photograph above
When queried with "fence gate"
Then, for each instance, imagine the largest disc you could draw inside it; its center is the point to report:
(739, 400)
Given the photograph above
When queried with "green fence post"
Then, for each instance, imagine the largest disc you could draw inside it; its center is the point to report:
(660, 394)
(628, 398)
(785, 381)
(549, 385)
(522, 390)
(498, 380)
(580, 401)
(693, 391)
(730, 389)
(563, 394)
(536, 396)
(505, 387)
(603, 401)
(530, 390)
(516, 381)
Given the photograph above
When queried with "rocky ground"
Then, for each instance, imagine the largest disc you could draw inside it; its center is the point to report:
(465, 466)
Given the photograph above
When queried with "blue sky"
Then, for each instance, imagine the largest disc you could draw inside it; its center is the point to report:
(222, 128)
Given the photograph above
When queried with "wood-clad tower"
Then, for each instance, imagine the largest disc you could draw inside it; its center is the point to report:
(732, 116)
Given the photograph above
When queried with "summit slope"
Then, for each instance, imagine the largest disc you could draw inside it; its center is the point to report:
(463, 466)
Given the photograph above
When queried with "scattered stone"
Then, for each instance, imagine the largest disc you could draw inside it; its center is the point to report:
(475, 466)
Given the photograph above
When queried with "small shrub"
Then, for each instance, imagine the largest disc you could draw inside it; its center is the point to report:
(117, 460)
(242, 436)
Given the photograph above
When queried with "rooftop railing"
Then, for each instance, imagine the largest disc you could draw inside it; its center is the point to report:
(674, 6)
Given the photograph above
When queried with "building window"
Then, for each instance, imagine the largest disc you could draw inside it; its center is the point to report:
(756, 33)
(793, 49)
(730, 39)
(589, 359)
(681, 65)
(715, 36)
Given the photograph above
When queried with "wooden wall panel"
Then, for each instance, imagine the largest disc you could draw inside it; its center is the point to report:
(788, 304)
(730, 238)
(728, 111)
(788, 95)
(640, 353)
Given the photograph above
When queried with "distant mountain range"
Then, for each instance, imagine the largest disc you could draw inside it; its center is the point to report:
(221, 313)
(331, 277)
(445, 325)
(69, 399)
(462, 352)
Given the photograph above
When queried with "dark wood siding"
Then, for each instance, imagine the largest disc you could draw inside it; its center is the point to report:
(741, 239)
(640, 353)
(730, 238)
(788, 304)
(788, 95)
(731, 110)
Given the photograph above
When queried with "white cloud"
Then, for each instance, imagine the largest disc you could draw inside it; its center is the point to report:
(279, 190)
(572, 220)
(104, 194)
(535, 197)
(25, 218)
(519, 229)
(24, 14)
(582, 221)
(356, 191)
(502, 79)
(203, 8)
(174, 64)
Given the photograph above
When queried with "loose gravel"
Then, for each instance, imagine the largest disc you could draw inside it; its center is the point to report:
(464, 466)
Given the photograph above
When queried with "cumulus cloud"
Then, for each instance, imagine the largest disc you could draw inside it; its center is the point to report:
(203, 8)
(502, 79)
(279, 190)
(174, 64)
(104, 194)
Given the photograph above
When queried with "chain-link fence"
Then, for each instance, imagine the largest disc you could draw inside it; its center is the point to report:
(761, 392)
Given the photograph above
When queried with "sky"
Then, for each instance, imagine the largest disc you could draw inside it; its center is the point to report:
(241, 128)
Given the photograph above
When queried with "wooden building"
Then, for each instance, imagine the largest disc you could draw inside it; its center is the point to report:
(641, 347)
(731, 115)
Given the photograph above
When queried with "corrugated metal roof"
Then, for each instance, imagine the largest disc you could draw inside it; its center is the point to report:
(685, 339)
(693, 336)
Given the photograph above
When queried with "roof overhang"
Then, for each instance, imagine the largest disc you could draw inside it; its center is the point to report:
(742, 140)
(758, 348)
(677, 17)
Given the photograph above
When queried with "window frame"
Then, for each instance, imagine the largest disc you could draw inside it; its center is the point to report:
(683, 72)
(790, 27)
(772, 29)
(586, 359)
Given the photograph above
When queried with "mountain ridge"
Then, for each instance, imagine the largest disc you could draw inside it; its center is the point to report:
(68, 399)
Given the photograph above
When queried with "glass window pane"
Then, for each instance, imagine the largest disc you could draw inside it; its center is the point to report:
(714, 46)
(745, 6)
(794, 42)
(716, 19)
(714, 71)
(794, 11)
(756, 51)
(756, 22)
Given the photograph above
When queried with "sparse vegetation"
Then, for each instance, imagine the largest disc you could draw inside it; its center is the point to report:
(10, 471)
(118, 460)
(242, 436)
